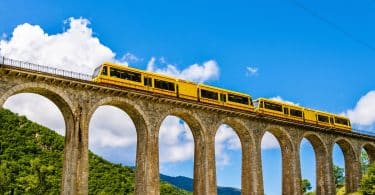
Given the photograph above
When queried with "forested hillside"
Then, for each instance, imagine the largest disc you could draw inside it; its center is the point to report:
(31, 159)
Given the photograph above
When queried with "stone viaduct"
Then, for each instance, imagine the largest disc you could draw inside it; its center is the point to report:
(78, 99)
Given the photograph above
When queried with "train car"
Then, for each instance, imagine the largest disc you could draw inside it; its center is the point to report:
(297, 113)
(110, 73)
(327, 119)
(279, 109)
(218, 96)
(115, 74)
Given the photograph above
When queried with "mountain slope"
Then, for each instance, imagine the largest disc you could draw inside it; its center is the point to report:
(31, 159)
(187, 184)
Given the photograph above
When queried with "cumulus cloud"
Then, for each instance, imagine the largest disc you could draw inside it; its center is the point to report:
(363, 114)
(198, 73)
(112, 127)
(269, 141)
(250, 71)
(175, 141)
(38, 109)
(225, 140)
(280, 99)
(75, 49)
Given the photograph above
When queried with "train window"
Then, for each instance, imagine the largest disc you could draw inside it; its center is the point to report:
(126, 75)
(262, 104)
(297, 113)
(209, 94)
(341, 121)
(147, 81)
(272, 106)
(104, 71)
(238, 99)
(223, 97)
(286, 111)
(322, 118)
(164, 85)
(331, 120)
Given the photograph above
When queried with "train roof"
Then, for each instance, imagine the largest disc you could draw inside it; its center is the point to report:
(280, 102)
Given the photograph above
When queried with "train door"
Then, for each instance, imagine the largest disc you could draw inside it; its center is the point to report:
(147, 82)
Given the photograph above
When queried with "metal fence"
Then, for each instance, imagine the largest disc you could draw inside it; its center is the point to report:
(45, 69)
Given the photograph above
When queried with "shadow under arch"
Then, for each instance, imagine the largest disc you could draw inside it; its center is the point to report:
(370, 150)
(138, 118)
(288, 155)
(351, 163)
(246, 141)
(321, 155)
(200, 151)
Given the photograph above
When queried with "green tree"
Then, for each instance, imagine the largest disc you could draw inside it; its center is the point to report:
(306, 185)
(367, 185)
(338, 174)
(364, 161)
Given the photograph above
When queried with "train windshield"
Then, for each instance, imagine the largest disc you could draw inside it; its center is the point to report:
(96, 71)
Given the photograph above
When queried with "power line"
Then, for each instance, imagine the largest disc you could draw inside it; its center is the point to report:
(332, 24)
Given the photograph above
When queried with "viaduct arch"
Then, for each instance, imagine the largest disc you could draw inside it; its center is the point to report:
(78, 99)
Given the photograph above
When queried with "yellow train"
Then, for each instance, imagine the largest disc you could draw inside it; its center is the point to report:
(114, 74)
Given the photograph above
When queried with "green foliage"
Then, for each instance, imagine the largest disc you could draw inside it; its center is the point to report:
(338, 174)
(367, 185)
(305, 185)
(31, 159)
(364, 161)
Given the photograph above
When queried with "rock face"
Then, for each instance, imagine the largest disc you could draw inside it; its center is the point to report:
(78, 100)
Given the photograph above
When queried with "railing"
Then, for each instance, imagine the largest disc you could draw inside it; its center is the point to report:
(45, 69)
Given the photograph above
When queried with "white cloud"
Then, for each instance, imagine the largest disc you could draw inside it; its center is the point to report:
(176, 141)
(38, 109)
(250, 71)
(198, 73)
(280, 99)
(129, 58)
(75, 49)
(226, 139)
(112, 127)
(269, 141)
(363, 114)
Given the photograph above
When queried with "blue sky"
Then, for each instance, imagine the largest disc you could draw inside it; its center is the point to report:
(319, 55)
